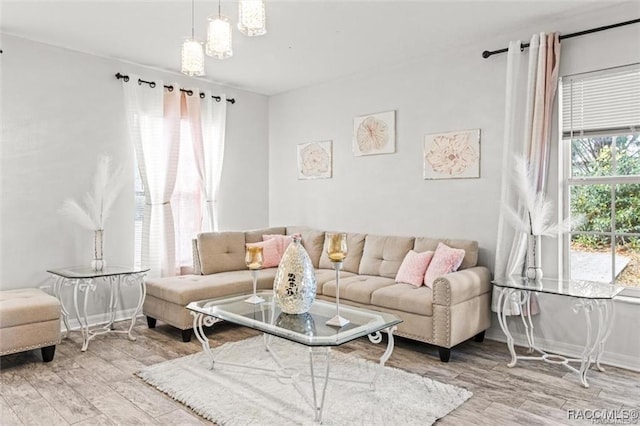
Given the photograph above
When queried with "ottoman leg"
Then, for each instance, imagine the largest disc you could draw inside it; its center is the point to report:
(445, 354)
(186, 335)
(47, 353)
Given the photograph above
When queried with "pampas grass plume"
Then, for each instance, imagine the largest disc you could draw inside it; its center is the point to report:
(98, 202)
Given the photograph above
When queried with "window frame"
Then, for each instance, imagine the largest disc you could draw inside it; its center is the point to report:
(567, 181)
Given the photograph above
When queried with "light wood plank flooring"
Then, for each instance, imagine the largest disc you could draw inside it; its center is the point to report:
(99, 387)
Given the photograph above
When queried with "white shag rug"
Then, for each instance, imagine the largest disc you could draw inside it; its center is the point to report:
(237, 396)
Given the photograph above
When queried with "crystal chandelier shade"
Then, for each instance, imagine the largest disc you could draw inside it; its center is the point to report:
(219, 37)
(192, 57)
(252, 18)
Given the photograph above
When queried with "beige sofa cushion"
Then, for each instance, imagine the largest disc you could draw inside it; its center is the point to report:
(312, 241)
(185, 289)
(27, 306)
(255, 235)
(221, 252)
(383, 255)
(406, 298)
(355, 245)
(357, 288)
(324, 276)
(470, 248)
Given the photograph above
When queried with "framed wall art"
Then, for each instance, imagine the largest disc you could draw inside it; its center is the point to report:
(374, 134)
(452, 155)
(315, 160)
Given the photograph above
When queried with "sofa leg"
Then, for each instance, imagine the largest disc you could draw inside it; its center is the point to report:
(151, 322)
(186, 335)
(47, 353)
(479, 337)
(445, 354)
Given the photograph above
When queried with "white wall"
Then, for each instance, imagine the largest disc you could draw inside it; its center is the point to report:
(61, 110)
(452, 89)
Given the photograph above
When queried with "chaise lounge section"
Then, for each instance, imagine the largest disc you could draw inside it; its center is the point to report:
(455, 310)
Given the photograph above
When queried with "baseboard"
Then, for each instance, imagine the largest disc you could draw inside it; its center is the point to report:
(561, 348)
(98, 319)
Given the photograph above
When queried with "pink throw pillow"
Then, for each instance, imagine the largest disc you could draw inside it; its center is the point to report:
(445, 260)
(282, 241)
(413, 268)
(271, 256)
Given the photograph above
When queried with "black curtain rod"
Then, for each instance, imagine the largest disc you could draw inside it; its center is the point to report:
(189, 92)
(523, 46)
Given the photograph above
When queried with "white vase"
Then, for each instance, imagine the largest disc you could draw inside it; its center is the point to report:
(294, 288)
(534, 257)
(98, 263)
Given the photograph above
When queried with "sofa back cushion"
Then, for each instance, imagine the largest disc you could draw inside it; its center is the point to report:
(355, 246)
(255, 235)
(221, 252)
(312, 241)
(470, 249)
(383, 255)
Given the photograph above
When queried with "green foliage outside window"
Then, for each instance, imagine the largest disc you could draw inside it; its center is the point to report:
(593, 157)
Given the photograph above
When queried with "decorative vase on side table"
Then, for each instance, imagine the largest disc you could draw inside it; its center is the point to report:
(253, 259)
(337, 251)
(294, 288)
(98, 263)
(534, 257)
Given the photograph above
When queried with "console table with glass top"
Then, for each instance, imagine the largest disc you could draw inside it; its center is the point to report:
(586, 296)
(85, 280)
(308, 329)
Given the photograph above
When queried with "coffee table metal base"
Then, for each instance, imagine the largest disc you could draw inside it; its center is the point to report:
(319, 364)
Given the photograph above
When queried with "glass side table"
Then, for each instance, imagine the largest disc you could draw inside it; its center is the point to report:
(85, 280)
(586, 297)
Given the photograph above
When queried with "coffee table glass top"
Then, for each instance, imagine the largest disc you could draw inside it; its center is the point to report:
(308, 328)
(86, 272)
(572, 288)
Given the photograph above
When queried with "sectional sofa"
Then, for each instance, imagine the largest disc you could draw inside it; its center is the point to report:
(456, 309)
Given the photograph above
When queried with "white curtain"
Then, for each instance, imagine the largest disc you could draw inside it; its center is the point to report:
(528, 110)
(209, 152)
(153, 115)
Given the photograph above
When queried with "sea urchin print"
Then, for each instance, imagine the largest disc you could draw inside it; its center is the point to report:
(372, 135)
(314, 160)
(451, 155)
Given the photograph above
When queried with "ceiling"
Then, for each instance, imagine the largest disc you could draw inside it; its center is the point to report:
(307, 42)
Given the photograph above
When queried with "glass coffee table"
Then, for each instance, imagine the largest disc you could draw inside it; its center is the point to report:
(585, 296)
(308, 329)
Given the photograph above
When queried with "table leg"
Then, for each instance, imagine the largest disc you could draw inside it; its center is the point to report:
(377, 338)
(319, 405)
(608, 306)
(198, 321)
(57, 291)
(83, 285)
(139, 280)
(503, 300)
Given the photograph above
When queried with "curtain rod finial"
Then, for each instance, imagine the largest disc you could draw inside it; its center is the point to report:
(486, 54)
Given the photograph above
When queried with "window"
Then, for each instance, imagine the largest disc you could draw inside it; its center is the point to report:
(186, 204)
(601, 142)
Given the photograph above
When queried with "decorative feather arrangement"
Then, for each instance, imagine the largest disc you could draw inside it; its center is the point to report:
(539, 209)
(97, 204)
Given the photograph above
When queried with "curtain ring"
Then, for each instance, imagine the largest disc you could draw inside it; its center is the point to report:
(189, 92)
(201, 95)
(152, 84)
(139, 82)
(170, 88)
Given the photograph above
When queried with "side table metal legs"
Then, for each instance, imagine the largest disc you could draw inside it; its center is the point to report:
(87, 285)
(594, 345)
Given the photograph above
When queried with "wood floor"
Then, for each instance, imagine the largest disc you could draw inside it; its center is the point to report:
(99, 387)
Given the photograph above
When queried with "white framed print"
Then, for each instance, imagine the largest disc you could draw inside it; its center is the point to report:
(452, 155)
(315, 160)
(374, 134)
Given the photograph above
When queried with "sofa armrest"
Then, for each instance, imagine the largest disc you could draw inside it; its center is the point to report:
(197, 269)
(456, 287)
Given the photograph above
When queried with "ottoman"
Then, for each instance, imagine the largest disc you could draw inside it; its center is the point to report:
(29, 319)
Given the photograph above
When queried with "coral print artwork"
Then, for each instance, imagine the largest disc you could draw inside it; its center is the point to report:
(314, 160)
(374, 134)
(452, 155)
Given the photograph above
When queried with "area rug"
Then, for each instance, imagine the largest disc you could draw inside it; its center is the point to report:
(237, 396)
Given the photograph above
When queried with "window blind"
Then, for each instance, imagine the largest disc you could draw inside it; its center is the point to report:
(602, 102)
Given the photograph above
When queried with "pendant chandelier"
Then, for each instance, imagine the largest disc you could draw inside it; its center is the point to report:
(252, 19)
(192, 53)
(219, 36)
